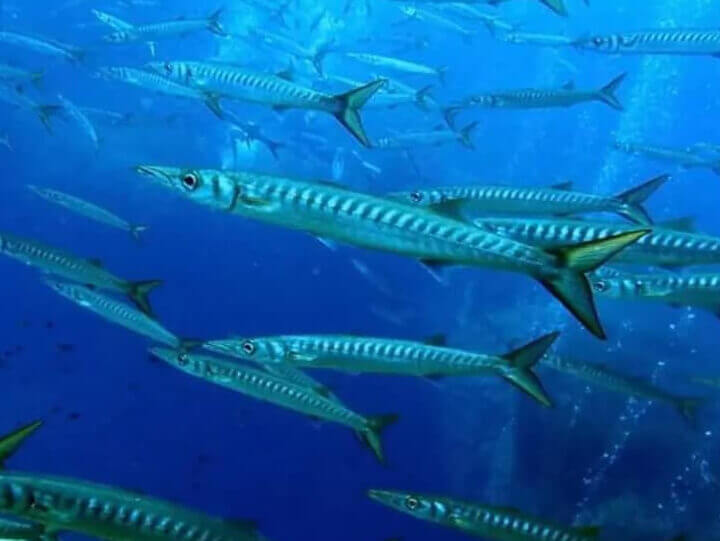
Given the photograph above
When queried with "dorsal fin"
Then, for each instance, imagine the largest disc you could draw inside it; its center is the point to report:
(565, 186)
(569, 85)
(587, 531)
(438, 339)
(95, 261)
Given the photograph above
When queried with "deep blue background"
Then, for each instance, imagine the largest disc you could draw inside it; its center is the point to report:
(113, 416)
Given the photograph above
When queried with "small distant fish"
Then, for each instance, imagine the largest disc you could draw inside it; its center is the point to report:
(457, 201)
(398, 64)
(488, 522)
(59, 263)
(90, 210)
(80, 118)
(238, 83)
(688, 158)
(162, 85)
(113, 22)
(287, 45)
(270, 388)
(43, 45)
(533, 38)
(602, 376)
(44, 112)
(468, 11)
(671, 41)
(414, 13)
(166, 29)
(13, 75)
(116, 312)
(441, 136)
(389, 98)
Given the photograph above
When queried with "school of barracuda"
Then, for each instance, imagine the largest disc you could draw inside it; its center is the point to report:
(542, 232)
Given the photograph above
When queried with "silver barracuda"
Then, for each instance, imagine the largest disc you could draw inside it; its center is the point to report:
(688, 158)
(479, 520)
(534, 38)
(165, 29)
(87, 209)
(279, 43)
(162, 85)
(458, 201)
(43, 45)
(116, 312)
(332, 212)
(662, 246)
(557, 6)
(80, 118)
(601, 376)
(21, 101)
(673, 41)
(414, 13)
(14, 75)
(84, 271)
(237, 83)
(113, 22)
(279, 391)
(397, 64)
(701, 290)
(385, 356)
(438, 137)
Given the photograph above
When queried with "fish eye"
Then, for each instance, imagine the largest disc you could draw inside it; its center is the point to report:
(248, 347)
(600, 286)
(412, 503)
(183, 359)
(416, 197)
(190, 181)
(168, 67)
(598, 40)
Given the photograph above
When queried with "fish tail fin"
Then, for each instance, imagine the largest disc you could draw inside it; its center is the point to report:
(37, 78)
(442, 74)
(570, 285)
(465, 135)
(45, 113)
(607, 93)
(273, 147)
(557, 6)
(633, 199)
(10, 443)
(521, 362)
(371, 435)
(78, 56)
(450, 114)
(688, 408)
(214, 22)
(135, 231)
(422, 95)
(350, 105)
(139, 291)
(318, 57)
(212, 101)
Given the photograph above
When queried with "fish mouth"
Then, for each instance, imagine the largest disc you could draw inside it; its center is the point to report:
(382, 496)
(154, 172)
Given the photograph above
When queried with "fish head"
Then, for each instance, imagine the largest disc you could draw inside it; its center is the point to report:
(247, 349)
(178, 71)
(420, 507)
(178, 358)
(604, 285)
(73, 292)
(597, 43)
(209, 187)
(418, 198)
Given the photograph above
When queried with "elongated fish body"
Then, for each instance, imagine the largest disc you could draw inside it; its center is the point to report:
(332, 212)
(42, 45)
(456, 200)
(116, 312)
(11, 74)
(299, 378)
(267, 387)
(113, 22)
(80, 118)
(548, 40)
(413, 12)
(601, 376)
(10, 529)
(166, 29)
(112, 514)
(661, 247)
(59, 263)
(396, 64)
(684, 158)
(667, 41)
(85, 208)
(488, 522)
(414, 140)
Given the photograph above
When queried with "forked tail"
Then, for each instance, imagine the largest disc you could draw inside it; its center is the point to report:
(607, 93)
(371, 435)
(138, 293)
(214, 23)
(350, 104)
(688, 408)
(558, 6)
(520, 363)
(135, 231)
(632, 200)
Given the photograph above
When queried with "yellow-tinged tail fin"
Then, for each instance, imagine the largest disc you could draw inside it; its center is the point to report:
(11, 442)
(520, 363)
(350, 105)
(371, 436)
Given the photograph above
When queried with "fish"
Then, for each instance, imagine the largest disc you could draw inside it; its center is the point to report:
(21, 101)
(414, 13)
(457, 201)
(237, 83)
(87, 209)
(57, 262)
(333, 212)
(670, 41)
(438, 137)
(300, 378)
(14, 75)
(118, 312)
(43, 45)
(465, 11)
(284, 44)
(251, 131)
(534, 98)
(701, 290)
(534, 38)
(397, 64)
(80, 118)
(602, 376)
(165, 29)
(479, 520)
(688, 158)
(387, 98)
(276, 390)
(387, 356)
(662, 246)
(162, 85)
(113, 22)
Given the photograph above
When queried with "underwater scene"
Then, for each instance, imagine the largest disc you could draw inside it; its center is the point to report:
(360, 270)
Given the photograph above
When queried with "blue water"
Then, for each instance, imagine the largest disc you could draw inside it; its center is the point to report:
(114, 416)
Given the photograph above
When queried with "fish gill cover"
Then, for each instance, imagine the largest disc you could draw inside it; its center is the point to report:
(360, 269)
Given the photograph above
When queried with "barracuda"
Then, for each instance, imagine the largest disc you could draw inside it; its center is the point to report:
(11, 74)
(240, 84)
(44, 112)
(667, 41)
(384, 356)
(160, 30)
(117, 312)
(333, 212)
(53, 261)
(279, 391)
(456, 201)
(90, 210)
(398, 64)
(601, 376)
(43, 45)
(662, 247)
(80, 118)
(162, 85)
(689, 158)
(69, 505)
(113, 22)
(501, 523)
(23, 531)
(701, 290)
(407, 141)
